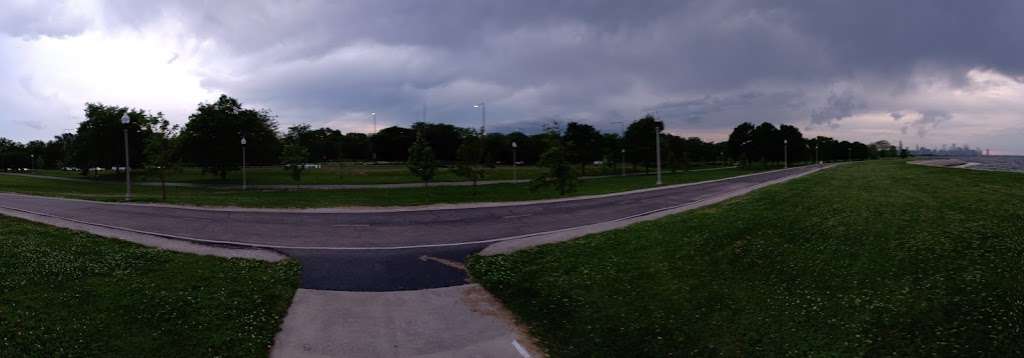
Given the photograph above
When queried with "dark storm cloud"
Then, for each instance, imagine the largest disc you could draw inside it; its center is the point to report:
(928, 120)
(564, 57)
(702, 64)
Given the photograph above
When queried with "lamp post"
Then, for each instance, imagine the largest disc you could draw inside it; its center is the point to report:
(127, 162)
(515, 176)
(483, 117)
(243, 165)
(373, 153)
(657, 144)
(483, 126)
(622, 163)
(816, 160)
(785, 153)
(32, 162)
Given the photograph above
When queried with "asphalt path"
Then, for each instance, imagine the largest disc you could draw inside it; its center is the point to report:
(384, 250)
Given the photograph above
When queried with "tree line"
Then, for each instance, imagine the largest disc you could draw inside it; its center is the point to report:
(211, 140)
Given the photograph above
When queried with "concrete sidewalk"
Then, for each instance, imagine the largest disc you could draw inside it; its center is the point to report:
(458, 321)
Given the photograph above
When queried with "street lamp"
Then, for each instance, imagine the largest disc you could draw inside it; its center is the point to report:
(785, 153)
(32, 161)
(622, 163)
(816, 160)
(373, 154)
(243, 164)
(127, 162)
(483, 117)
(483, 126)
(515, 176)
(657, 144)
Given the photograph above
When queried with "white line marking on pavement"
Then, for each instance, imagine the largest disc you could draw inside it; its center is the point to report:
(351, 225)
(453, 264)
(516, 216)
(519, 348)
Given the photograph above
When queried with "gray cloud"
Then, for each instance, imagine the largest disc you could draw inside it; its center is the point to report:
(838, 105)
(929, 120)
(703, 64)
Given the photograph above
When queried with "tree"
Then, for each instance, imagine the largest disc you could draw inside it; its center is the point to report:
(422, 162)
(445, 139)
(293, 156)
(767, 143)
(161, 151)
(100, 137)
(467, 164)
(741, 143)
(392, 143)
(559, 171)
(796, 149)
(211, 138)
(640, 141)
(583, 144)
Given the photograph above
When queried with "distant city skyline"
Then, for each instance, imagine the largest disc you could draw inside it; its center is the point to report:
(921, 72)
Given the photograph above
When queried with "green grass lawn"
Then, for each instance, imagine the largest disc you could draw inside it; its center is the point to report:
(878, 258)
(71, 294)
(109, 191)
(327, 174)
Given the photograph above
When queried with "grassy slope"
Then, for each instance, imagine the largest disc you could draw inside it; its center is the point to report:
(330, 198)
(66, 293)
(879, 258)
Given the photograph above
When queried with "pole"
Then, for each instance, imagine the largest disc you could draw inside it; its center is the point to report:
(244, 182)
(373, 153)
(622, 164)
(785, 153)
(816, 160)
(657, 143)
(515, 176)
(127, 169)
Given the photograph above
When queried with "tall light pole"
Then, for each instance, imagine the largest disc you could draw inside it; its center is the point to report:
(515, 176)
(816, 160)
(243, 164)
(483, 117)
(657, 144)
(32, 161)
(373, 153)
(622, 163)
(127, 162)
(483, 126)
(785, 153)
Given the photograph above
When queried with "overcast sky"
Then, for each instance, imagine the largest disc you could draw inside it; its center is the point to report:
(924, 72)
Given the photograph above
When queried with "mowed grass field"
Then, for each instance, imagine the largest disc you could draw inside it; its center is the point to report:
(330, 173)
(71, 294)
(112, 191)
(877, 258)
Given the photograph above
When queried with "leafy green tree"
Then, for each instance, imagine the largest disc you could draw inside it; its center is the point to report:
(422, 162)
(559, 171)
(467, 164)
(583, 144)
(293, 156)
(162, 152)
(392, 143)
(640, 141)
(100, 137)
(741, 143)
(211, 138)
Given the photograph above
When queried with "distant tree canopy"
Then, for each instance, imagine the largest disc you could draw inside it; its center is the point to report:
(212, 137)
(100, 138)
(211, 140)
(639, 140)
